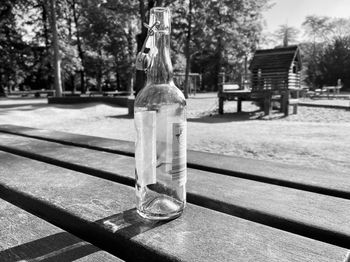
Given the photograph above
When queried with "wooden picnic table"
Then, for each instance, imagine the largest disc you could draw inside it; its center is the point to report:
(66, 196)
(334, 89)
(264, 96)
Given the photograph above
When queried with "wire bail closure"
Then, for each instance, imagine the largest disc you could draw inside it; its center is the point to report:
(144, 60)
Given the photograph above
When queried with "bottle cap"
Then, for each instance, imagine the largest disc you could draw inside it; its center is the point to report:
(143, 59)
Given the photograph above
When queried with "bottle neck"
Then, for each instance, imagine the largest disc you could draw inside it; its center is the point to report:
(161, 70)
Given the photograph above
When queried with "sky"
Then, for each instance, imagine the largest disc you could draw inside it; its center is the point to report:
(293, 12)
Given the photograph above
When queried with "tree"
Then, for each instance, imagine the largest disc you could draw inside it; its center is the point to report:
(12, 47)
(317, 31)
(335, 62)
(81, 52)
(288, 34)
(317, 28)
(108, 30)
(98, 39)
(188, 42)
(57, 59)
(225, 36)
(325, 53)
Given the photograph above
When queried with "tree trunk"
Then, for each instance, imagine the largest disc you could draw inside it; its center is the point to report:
(285, 39)
(188, 42)
(131, 55)
(99, 71)
(80, 49)
(44, 18)
(57, 60)
(2, 90)
(118, 79)
(72, 80)
(218, 64)
(140, 38)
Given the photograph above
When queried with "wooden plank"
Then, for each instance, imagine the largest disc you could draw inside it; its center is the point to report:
(229, 87)
(277, 79)
(104, 211)
(285, 208)
(271, 70)
(97, 143)
(300, 177)
(33, 92)
(293, 77)
(294, 81)
(311, 179)
(115, 100)
(293, 101)
(272, 73)
(25, 237)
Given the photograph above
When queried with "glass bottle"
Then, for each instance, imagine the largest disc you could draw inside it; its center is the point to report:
(160, 122)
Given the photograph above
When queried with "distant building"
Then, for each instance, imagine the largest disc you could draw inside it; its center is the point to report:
(276, 69)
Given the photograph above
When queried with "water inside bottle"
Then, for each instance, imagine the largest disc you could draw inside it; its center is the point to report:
(165, 197)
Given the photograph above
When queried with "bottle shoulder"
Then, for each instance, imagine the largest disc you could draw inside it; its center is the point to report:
(159, 94)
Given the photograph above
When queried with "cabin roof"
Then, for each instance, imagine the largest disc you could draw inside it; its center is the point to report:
(276, 58)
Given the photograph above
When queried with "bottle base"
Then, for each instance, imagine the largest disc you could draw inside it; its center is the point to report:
(161, 208)
(151, 216)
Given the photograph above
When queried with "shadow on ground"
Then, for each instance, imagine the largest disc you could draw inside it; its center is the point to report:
(215, 118)
(227, 117)
(126, 116)
(56, 247)
(13, 104)
(29, 106)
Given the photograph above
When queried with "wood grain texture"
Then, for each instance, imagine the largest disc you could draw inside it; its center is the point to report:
(313, 215)
(24, 237)
(97, 143)
(310, 179)
(104, 211)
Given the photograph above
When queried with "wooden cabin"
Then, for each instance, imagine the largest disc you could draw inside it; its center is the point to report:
(276, 72)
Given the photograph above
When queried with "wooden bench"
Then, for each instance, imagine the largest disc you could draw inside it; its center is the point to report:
(334, 89)
(239, 209)
(231, 92)
(230, 87)
(36, 93)
(25, 237)
(108, 93)
(266, 98)
(285, 98)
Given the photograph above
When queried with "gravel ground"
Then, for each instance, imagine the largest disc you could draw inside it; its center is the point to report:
(315, 137)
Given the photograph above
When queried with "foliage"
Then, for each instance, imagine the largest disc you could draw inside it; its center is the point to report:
(335, 62)
(288, 34)
(326, 54)
(97, 39)
(222, 38)
(317, 28)
(12, 49)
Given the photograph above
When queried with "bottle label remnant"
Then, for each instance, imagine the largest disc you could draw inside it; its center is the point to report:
(145, 151)
(178, 170)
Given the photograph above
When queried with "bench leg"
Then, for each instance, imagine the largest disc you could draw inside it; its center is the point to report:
(131, 102)
(285, 104)
(295, 109)
(282, 104)
(239, 105)
(221, 105)
(267, 105)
